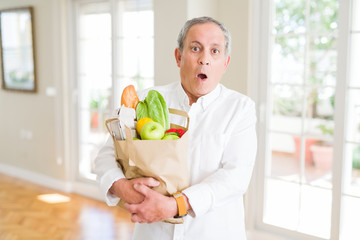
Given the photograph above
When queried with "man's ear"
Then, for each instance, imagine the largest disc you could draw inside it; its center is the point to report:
(178, 56)
(227, 62)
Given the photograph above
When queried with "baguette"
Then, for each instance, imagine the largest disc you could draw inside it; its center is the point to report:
(129, 97)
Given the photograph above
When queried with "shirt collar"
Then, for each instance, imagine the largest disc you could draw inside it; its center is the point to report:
(203, 101)
(183, 98)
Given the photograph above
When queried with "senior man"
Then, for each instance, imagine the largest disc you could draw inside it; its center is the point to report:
(221, 151)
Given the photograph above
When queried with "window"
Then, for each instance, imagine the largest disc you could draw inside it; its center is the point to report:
(114, 43)
(300, 85)
(351, 162)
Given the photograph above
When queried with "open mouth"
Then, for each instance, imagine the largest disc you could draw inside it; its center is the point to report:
(202, 76)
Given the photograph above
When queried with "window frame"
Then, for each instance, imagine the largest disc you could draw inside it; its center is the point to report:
(261, 60)
(115, 96)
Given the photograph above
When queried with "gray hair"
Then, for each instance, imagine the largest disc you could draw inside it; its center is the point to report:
(200, 20)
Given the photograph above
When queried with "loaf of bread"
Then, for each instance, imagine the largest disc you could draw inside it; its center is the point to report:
(129, 97)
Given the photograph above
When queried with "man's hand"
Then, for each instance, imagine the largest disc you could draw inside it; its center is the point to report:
(155, 207)
(124, 189)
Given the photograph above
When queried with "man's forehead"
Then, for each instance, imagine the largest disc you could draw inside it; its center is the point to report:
(216, 34)
(205, 25)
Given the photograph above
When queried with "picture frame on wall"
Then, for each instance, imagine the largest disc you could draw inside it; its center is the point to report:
(17, 49)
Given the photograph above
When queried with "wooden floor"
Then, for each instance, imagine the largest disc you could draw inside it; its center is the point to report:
(32, 212)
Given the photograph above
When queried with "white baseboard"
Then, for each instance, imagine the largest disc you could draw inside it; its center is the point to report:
(37, 178)
(87, 189)
(83, 188)
(260, 235)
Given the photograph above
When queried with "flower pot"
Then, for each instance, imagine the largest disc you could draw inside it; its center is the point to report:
(322, 156)
(308, 143)
(94, 122)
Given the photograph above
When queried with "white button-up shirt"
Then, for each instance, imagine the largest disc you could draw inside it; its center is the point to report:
(221, 156)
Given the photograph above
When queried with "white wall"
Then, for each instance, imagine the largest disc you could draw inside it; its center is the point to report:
(236, 15)
(38, 115)
(169, 16)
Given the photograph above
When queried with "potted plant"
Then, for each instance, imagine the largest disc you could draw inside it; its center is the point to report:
(308, 154)
(313, 146)
(97, 106)
(322, 150)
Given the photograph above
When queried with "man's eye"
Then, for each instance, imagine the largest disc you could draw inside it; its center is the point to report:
(216, 51)
(195, 49)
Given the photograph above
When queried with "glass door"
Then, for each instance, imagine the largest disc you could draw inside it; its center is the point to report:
(94, 80)
(114, 42)
(311, 178)
(351, 166)
(301, 99)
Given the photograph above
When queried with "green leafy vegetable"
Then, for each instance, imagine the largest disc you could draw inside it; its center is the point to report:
(141, 110)
(154, 107)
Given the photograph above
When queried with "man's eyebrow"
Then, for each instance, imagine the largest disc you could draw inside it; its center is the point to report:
(197, 42)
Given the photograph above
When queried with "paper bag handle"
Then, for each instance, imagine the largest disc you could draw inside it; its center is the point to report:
(180, 113)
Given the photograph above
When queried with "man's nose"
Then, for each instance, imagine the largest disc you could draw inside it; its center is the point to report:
(204, 59)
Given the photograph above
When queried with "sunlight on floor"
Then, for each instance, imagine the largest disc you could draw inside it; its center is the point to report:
(53, 198)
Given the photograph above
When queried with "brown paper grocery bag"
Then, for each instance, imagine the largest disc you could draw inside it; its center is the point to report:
(164, 160)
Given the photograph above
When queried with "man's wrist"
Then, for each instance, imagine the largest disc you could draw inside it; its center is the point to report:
(181, 205)
(173, 208)
(115, 185)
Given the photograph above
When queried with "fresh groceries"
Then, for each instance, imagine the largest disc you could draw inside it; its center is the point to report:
(134, 114)
(152, 131)
(141, 123)
(154, 107)
(129, 97)
(127, 115)
(145, 120)
(170, 136)
(145, 142)
(175, 131)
